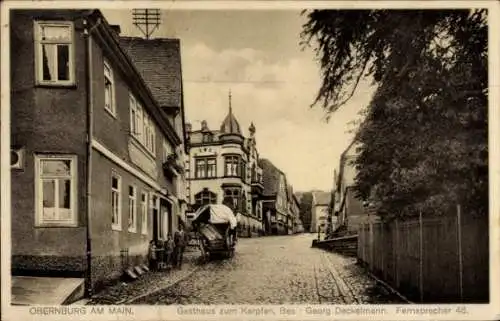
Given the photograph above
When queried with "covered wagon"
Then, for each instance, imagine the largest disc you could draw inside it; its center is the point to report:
(215, 226)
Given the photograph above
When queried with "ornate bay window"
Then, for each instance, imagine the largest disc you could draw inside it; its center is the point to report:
(232, 166)
(235, 166)
(233, 199)
(205, 197)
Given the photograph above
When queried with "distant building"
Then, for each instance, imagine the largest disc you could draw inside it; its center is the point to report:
(98, 142)
(295, 210)
(275, 204)
(348, 209)
(223, 169)
(320, 210)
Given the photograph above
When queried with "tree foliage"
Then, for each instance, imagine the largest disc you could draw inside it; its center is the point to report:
(424, 139)
(305, 209)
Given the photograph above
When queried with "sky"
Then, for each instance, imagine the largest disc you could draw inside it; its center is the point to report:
(273, 82)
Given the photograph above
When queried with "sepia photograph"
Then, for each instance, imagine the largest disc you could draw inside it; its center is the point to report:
(331, 158)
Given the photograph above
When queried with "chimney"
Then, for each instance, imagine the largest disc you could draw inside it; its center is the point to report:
(204, 125)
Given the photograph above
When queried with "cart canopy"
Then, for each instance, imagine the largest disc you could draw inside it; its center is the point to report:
(215, 214)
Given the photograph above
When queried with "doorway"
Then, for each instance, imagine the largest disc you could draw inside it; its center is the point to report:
(166, 221)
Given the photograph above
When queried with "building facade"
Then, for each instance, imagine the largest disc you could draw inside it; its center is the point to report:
(223, 169)
(91, 186)
(295, 211)
(319, 211)
(349, 210)
(276, 205)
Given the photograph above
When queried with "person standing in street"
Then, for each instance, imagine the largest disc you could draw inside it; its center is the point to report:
(180, 245)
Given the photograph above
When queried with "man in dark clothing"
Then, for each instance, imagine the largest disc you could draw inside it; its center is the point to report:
(180, 240)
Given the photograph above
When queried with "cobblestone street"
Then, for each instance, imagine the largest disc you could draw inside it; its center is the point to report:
(276, 270)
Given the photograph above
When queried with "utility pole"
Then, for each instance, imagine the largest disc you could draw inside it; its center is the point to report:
(146, 20)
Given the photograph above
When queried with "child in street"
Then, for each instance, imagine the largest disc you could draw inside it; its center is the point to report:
(169, 250)
(152, 255)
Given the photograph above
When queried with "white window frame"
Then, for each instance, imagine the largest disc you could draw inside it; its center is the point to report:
(39, 55)
(133, 115)
(39, 222)
(145, 129)
(144, 212)
(109, 76)
(167, 149)
(116, 226)
(132, 209)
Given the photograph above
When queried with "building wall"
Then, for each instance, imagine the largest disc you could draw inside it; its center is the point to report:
(110, 247)
(215, 184)
(112, 250)
(51, 120)
(114, 132)
(319, 218)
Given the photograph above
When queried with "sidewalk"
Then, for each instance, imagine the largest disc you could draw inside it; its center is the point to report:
(126, 293)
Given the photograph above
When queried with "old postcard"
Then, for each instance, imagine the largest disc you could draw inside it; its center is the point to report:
(250, 160)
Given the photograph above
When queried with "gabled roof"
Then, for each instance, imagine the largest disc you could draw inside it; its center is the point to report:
(159, 63)
(321, 198)
(271, 177)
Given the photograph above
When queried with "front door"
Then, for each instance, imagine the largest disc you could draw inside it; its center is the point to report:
(166, 218)
(156, 219)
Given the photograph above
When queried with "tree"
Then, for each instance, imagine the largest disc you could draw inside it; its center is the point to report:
(305, 210)
(424, 139)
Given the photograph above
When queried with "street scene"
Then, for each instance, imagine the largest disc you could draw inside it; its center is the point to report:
(175, 157)
(270, 270)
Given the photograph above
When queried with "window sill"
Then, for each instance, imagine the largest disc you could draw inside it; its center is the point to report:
(110, 113)
(52, 225)
(71, 85)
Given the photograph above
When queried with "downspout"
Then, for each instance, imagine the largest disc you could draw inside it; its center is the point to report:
(90, 122)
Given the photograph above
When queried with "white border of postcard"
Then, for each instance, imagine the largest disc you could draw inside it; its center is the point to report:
(489, 311)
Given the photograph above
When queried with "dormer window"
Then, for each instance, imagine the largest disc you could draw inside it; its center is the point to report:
(207, 138)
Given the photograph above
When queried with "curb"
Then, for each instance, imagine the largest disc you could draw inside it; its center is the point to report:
(131, 300)
(389, 288)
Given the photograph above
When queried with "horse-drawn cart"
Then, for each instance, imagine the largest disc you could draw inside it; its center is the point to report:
(215, 226)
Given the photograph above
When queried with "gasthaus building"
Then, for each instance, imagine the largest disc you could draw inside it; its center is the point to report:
(223, 169)
(97, 152)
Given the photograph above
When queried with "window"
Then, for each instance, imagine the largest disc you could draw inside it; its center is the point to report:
(56, 191)
(133, 116)
(232, 166)
(54, 53)
(132, 209)
(243, 170)
(205, 197)
(142, 126)
(116, 219)
(109, 89)
(205, 167)
(167, 150)
(200, 168)
(211, 167)
(244, 203)
(232, 198)
(144, 213)
(207, 138)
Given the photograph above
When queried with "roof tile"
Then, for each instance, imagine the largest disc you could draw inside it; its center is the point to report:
(159, 63)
